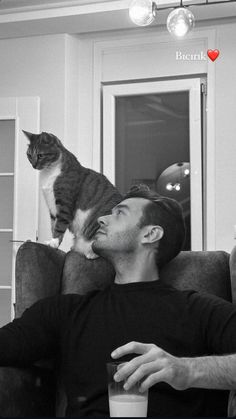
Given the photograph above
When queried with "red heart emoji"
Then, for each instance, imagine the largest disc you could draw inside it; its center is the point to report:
(213, 54)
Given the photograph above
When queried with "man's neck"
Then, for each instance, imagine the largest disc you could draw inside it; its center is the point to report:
(137, 268)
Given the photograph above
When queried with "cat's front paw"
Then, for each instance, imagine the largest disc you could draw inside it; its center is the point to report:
(53, 243)
(91, 255)
(84, 247)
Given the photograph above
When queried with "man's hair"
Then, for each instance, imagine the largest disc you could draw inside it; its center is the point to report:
(168, 214)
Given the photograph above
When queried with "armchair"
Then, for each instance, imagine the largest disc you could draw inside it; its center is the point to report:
(42, 271)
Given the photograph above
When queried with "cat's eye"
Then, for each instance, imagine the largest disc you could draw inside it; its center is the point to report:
(40, 156)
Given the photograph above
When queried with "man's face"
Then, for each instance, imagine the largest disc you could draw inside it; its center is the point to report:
(119, 232)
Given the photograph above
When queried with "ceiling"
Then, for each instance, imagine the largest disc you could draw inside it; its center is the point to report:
(10, 4)
(35, 17)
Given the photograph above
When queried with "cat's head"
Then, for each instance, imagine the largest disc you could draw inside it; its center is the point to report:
(43, 149)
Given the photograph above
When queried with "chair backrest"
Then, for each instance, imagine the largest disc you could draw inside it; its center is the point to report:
(202, 271)
(42, 271)
(232, 266)
(38, 273)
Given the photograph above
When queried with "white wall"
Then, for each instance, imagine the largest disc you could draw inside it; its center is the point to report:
(225, 123)
(145, 53)
(36, 67)
(63, 71)
(44, 66)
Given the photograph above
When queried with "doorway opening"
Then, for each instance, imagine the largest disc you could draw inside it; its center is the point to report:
(152, 134)
(155, 147)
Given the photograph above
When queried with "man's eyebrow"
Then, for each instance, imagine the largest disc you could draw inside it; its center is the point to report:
(122, 206)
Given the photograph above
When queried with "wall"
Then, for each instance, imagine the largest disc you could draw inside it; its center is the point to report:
(225, 123)
(44, 66)
(134, 55)
(62, 71)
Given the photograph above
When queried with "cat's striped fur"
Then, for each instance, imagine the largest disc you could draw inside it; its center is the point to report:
(76, 196)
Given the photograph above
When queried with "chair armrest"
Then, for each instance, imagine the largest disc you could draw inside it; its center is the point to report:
(232, 265)
(38, 274)
(232, 404)
(26, 392)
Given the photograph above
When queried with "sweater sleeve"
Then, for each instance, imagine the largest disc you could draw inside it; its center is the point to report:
(33, 336)
(215, 318)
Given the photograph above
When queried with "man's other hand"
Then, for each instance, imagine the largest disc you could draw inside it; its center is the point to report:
(152, 366)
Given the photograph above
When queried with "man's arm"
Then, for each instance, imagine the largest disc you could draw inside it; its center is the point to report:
(33, 336)
(154, 365)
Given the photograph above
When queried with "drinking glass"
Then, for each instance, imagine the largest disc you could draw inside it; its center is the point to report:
(125, 403)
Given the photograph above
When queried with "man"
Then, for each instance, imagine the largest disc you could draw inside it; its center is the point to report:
(180, 344)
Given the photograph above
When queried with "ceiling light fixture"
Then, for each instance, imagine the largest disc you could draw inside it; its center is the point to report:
(180, 20)
(142, 12)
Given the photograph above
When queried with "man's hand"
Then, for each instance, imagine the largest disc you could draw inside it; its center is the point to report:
(152, 366)
(155, 365)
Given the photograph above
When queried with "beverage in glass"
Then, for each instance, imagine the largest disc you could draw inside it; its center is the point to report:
(125, 403)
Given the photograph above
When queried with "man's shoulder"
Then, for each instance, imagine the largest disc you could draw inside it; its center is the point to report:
(71, 299)
(205, 301)
(176, 291)
(60, 306)
(192, 296)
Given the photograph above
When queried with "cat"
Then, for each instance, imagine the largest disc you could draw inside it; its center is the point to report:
(75, 195)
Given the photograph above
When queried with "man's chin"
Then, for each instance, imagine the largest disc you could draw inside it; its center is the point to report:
(97, 249)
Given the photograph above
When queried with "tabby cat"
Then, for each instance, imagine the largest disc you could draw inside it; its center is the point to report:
(75, 195)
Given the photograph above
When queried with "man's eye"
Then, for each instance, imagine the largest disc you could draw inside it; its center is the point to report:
(119, 211)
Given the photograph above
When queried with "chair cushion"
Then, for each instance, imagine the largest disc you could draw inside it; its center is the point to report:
(201, 271)
(38, 274)
(81, 275)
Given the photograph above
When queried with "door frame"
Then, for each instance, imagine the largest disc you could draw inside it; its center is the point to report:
(193, 87)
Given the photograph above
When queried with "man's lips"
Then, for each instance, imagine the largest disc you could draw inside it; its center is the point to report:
(100, 231)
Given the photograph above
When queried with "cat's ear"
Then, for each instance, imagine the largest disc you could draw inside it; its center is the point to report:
(28, 135)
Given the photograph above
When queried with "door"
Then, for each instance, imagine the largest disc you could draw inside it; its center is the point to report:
(152, 135)
(18, 191)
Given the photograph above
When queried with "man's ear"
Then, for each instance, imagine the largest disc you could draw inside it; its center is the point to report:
(152, 234)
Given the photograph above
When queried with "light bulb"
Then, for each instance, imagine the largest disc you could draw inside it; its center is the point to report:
(141, 12)
(180, 21)
(169, 186)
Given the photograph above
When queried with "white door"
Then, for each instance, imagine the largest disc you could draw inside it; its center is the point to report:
(157, 123)
(18, 191)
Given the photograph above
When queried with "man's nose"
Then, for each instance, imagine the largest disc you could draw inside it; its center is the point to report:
(102, 220)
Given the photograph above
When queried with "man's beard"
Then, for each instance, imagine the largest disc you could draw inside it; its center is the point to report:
(127, 242)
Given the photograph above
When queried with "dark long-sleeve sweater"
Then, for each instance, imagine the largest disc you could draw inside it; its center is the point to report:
(82, 331)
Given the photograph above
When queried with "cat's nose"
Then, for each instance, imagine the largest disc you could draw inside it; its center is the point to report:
(34, 162)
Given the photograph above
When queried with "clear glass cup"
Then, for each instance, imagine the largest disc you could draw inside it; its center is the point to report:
(125, 403)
